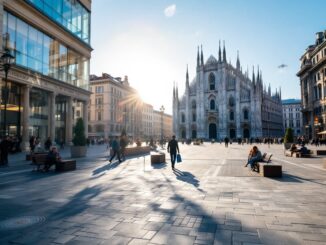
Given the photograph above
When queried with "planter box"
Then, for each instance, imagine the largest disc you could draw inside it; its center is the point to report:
(65, 165)
(157, 158)
(78, 151)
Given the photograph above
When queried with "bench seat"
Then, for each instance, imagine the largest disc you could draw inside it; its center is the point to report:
(269, 170)
(65, 165)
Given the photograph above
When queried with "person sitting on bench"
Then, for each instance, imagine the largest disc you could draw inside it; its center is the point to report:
(52, 158)
(303, 150)
(254, 157)
(293, 149)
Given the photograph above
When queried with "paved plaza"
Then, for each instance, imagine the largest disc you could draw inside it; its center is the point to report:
(210, 199)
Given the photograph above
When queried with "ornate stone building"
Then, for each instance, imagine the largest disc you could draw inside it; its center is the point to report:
(221, 101)
(292, 115)
(312, 76)
(51, 43)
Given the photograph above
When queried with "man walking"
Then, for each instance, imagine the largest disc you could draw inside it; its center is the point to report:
(115, 148)
(172, 149)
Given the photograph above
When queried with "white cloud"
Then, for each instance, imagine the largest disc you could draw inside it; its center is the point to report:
(170, 10)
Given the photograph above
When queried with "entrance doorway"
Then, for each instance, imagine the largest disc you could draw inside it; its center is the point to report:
(246, 133)
(212, 131)
(183, 134)
(194, 134)
(232, 133)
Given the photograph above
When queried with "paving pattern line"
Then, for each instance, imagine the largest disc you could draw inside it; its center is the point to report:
(218, 168)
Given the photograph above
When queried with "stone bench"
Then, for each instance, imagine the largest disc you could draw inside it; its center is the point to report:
(65, 165)
(269, 169)
(157, 158)
(320, 152)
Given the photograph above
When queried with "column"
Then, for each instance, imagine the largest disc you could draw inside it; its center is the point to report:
(52, 111)
(85, 117)
(26, 114)
(69, 122)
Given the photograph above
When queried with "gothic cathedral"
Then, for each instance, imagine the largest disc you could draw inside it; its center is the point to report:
(221, 101)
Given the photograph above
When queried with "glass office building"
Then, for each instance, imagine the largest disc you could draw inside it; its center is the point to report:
(50, 40)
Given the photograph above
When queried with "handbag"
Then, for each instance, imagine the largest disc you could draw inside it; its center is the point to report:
(179, 159)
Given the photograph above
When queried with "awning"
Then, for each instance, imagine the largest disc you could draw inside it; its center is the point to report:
(322, 132)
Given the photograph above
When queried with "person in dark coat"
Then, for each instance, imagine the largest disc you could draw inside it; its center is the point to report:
(4, 148)
(226, 141)
(52, 158)
(48, 144)
(115, 145)
(32, 144)
(173, 148)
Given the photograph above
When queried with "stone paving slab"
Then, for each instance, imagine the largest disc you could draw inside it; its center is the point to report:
(211, 199)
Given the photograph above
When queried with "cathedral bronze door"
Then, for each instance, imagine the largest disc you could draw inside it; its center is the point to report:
(212, 131)
(232, 133)
(246, 133)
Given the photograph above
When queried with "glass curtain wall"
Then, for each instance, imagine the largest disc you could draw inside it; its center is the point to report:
(14, 109)
(41, 53)
(39, 113)
(69, 13)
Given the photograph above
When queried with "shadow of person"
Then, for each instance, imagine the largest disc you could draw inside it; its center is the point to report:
(187, 177)
(106, 167)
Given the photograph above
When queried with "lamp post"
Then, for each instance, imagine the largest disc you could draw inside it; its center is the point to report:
(6, 60)
(162, 109)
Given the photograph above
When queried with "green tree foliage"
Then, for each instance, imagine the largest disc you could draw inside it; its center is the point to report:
(79, 133)
(288, 138)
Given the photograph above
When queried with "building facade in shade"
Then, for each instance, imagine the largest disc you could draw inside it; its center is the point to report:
(50, 41)
(114, 106)
(162, 125)
(312, 76)
(147, 121)
(222, 101)
(292, 115)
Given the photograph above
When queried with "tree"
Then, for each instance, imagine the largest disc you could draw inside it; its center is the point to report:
(288, 138)
(79, 133)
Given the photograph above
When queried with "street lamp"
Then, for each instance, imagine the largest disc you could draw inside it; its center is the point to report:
(162, 109)
(6, 60)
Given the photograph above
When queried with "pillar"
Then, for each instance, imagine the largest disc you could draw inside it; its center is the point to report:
(26, 114)
(85, 117)
(52, 111)
(69, 122)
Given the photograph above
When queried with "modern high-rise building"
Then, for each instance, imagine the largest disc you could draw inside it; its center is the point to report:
(222, 101)
(312, 76)
(51, 44)
(292, 115)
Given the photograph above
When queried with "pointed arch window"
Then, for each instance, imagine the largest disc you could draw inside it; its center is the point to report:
(183, 118)
(231, 116)
(231, 101)
(212, 105)
(194, 117)
(211, 80)
(246, 114)
(193, 105)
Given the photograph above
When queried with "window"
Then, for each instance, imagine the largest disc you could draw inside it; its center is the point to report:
(318, 76)
(183, 118)
(231, 101)
(245, 114)
(193, 105)
(194, 117)
(99, 115)
(99, 101)
(319, 91)
(298, 124)
(231, 115)
(211, 80)
(99, 89)
(212, 105)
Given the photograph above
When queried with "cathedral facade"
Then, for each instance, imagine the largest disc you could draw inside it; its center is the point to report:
(222, 101)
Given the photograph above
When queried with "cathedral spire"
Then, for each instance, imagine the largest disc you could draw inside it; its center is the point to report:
(269, 89)
(198, 56)
(173, 90)
(187, 78)
(176, 92)
(219, 51)
(253, 75)
(202, 56)
(224, 52)
(238, 61)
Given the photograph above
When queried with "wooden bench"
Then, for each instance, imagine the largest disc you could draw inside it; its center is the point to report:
(38, 160)
(157, 158)
(298, 154)
(268, 169)
(65, 165)
(320, 152)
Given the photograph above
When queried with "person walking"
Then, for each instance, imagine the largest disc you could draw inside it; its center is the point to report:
(4, 148)
(48, 144)
(173, 147)
(115, 146)
(226, 141)
(123, 145)
(32, 143)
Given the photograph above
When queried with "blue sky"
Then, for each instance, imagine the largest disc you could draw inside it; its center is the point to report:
(152, 41)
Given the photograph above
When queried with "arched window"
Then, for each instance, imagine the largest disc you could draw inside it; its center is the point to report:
(183, 118)
(245, 114)
(231, 101)
(211, 80)
(193, 104)
(231, 116)
(319, 91)
(212, 105)
(194, 118)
